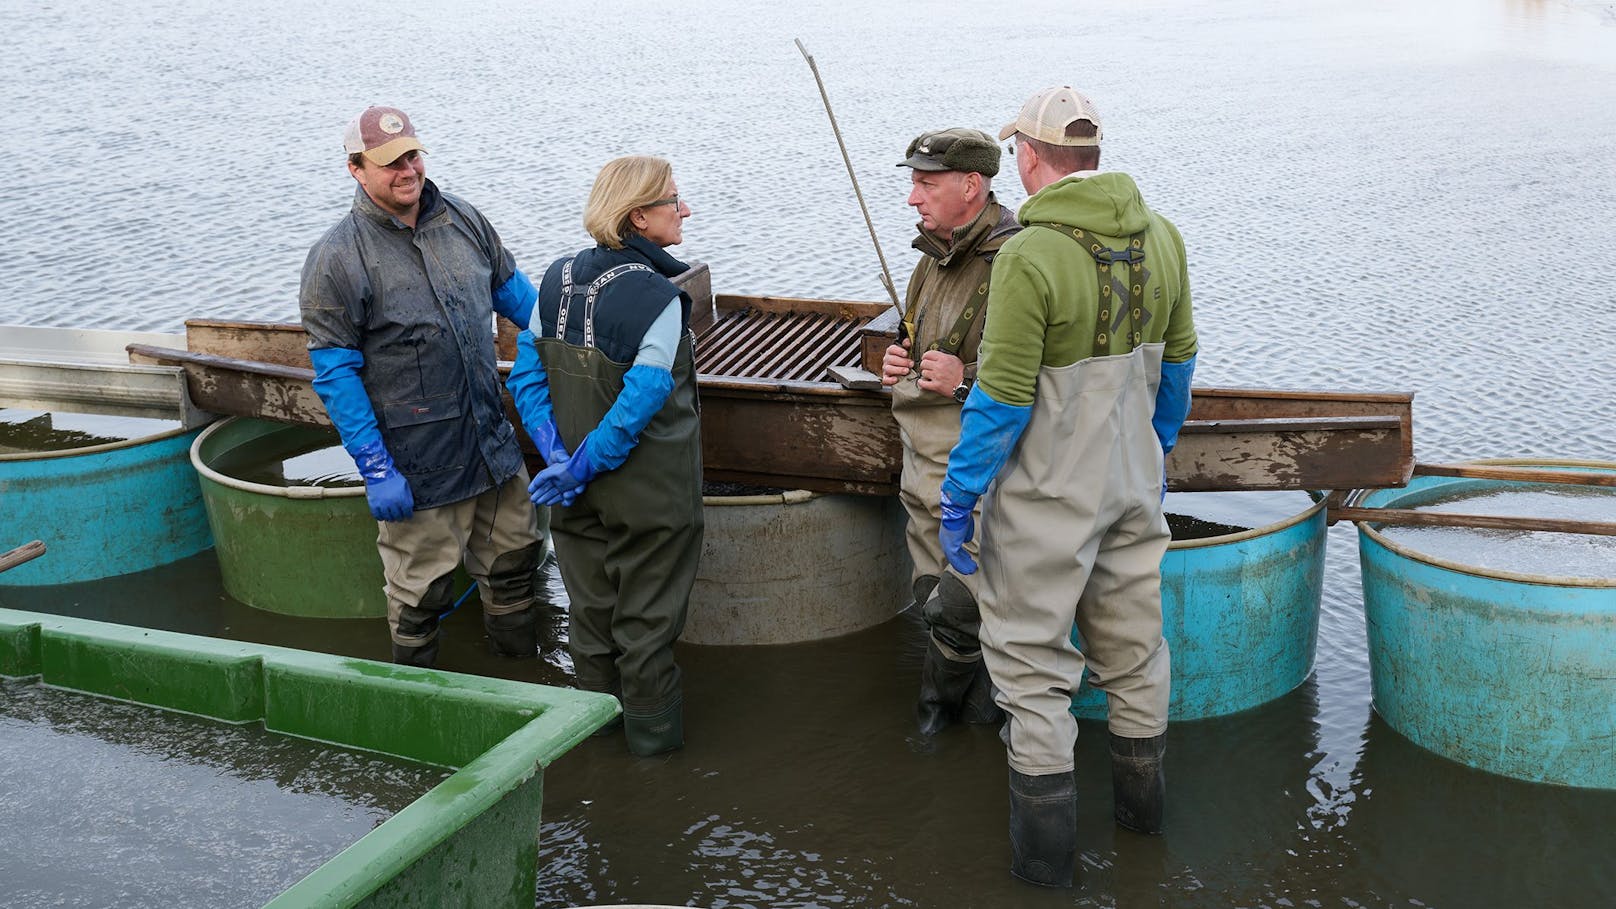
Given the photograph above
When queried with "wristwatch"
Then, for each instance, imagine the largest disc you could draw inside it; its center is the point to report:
(962, 391)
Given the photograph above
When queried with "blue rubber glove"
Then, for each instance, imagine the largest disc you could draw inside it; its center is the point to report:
(385, 488)
(645, 390)
(958, 528)
(989, 431)
(1172, 402)
(547, 439)
(515, 298)
(560, 483)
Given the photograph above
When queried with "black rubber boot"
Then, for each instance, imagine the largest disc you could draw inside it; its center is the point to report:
(943, 685)
(979, 708)
(655, 730)
(425, 656)
(421, 621)
(514, 634)
(1043, 828)
(1137, 782)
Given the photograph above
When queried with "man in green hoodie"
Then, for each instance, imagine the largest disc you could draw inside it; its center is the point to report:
(1082, 387)
(930, 370)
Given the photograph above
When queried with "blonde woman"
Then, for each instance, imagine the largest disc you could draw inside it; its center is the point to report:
(605, 384)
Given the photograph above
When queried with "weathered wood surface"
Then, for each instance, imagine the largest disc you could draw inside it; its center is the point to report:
(823, 436)
(247, 388)
(27, 552)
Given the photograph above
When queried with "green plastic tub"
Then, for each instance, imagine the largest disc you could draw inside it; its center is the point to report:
(472, 841)
(271, 540)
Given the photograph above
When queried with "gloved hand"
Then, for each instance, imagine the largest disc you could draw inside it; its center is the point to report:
(387, 491)
(562, 482)
(958, 528)
(547, 439)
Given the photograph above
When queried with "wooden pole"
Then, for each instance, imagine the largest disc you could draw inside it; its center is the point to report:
(1517, 474)
(1408, 517)
(27, 552)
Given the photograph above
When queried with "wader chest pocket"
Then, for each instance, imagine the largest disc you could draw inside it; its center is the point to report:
(421, 410)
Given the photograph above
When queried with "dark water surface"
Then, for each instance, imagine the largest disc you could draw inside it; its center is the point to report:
(803, 783)
(1376, 196)
(106, 803)
(31, 431)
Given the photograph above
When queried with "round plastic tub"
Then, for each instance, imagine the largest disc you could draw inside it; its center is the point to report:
(1240, 612)
(1506, 672)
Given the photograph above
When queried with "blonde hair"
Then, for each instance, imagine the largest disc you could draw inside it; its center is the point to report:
(623, 185)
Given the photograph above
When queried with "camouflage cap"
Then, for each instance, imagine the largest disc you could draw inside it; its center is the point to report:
(953, 149)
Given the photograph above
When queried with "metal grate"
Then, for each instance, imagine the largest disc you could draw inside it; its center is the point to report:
(797, 346)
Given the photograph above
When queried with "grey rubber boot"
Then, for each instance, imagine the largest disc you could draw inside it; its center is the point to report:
(655, 730)
(1043, 828)
(922, 588)
(514, 634)
(1137, 782)
(943, 685)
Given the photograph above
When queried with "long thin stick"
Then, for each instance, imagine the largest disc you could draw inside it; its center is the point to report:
(1520, 474)
(886, 275)
(1450, 519)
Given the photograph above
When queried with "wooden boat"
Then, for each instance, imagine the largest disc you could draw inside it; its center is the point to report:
(789, 400)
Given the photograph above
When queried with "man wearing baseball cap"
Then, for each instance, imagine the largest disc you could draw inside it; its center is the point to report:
(398, 301)
(962, 225)
(1082, 387)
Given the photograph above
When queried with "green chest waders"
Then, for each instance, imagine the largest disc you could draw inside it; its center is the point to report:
(628, 546)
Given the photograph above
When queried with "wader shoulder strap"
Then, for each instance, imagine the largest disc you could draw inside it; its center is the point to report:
(590, 295)
(978, 304)
(955, 339)
(1104, 257)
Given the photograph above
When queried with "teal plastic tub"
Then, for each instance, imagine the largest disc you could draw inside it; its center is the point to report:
(472, 841)
(103, 510)
(1503, 671)
(1240, 613)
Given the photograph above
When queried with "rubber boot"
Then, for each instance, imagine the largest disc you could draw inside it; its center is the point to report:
(943, 684)
(425, 656)
(1137, 783)
(656, 730)
(979, 708)
(1043, 828)
(514, 634)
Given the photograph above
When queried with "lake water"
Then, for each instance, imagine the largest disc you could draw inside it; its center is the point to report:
(1375, 196)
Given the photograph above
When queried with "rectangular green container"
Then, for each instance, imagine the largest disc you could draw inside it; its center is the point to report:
(472, 841)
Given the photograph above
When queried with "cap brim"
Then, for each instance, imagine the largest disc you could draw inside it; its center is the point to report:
(919, 163)
(1007, 132)
(388, 152)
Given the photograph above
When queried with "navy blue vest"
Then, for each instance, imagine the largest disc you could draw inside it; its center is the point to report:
(624, 308)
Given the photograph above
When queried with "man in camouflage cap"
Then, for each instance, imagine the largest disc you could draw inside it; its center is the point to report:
(930, 370)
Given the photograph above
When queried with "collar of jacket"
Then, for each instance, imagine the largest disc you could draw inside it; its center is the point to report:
(431, 202)
(654, 256)
(985, 234)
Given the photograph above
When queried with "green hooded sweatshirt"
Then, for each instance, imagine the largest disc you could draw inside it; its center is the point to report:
(1045, 300)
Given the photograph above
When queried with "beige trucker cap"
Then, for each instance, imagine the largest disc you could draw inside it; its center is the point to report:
(381, 133)
(1046, 115)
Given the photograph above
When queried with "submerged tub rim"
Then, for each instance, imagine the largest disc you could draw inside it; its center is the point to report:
(99, 449)
(284, 492)
(1542, 580)
(1320, 500)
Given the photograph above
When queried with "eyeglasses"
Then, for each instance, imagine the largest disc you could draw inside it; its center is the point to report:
(671, 200)
(1010, 147)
